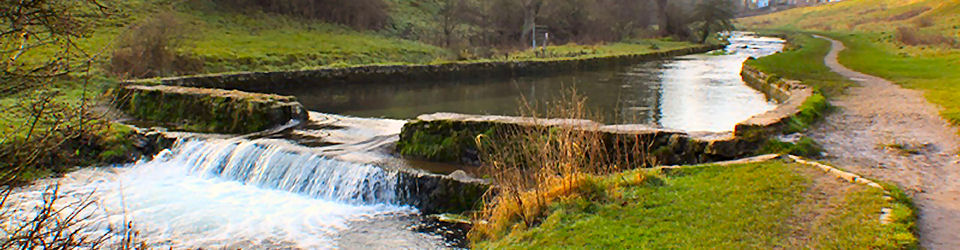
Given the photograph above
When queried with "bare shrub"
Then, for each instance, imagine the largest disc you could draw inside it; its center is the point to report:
(925, 21)
(913, 37)
(56, 222)
(908, 14)
(148, 49)
(535, 165)
(45, 131)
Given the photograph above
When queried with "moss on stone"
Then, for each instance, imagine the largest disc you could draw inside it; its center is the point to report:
(811, 110)
(207, 110)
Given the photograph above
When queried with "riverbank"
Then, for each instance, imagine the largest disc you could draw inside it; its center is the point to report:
(480, 69)
(889, 127)
(913, 44)
(768, 204)
(873, 137)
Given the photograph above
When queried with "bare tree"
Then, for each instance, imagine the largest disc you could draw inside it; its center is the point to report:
(530, 10)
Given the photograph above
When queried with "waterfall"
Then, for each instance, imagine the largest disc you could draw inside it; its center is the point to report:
(274, 166)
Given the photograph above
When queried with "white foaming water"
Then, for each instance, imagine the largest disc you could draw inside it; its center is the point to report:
(231, 194)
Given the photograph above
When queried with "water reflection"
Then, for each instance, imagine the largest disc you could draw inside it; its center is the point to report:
(697, 92)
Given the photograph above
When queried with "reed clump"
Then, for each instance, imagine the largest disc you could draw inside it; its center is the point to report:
(534, 166)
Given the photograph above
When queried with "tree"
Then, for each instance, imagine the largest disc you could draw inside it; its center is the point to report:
(47, 129)
(531, 8)
(714, 16)
(663, 17)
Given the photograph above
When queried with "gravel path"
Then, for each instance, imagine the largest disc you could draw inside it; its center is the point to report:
(893, 134)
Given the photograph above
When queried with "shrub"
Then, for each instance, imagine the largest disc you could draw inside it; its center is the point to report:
(924, 22)
(908, 14)
(148, 49)
(913, 37)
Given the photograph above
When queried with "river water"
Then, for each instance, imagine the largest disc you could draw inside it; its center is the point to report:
(692, 93)
(272, 193)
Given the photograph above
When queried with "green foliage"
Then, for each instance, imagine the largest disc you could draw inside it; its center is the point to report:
(729, 207)
(713, 16)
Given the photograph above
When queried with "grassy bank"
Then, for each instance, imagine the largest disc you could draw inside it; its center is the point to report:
(802, 59)
(762, 205)
(229, 41)
(913, 43)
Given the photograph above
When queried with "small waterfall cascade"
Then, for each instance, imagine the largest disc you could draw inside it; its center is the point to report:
(274, 166)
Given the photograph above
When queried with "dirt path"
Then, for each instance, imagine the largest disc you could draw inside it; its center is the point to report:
(893, 134)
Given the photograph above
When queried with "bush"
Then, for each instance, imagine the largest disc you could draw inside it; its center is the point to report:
(148, 49)
(913, 37)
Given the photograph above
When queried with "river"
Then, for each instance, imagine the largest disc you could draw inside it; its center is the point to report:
(273, 193)
(693, 93)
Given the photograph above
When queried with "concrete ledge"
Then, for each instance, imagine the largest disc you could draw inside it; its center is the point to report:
(270, 81)
(789, 93)
(449, 137)
(206, 110)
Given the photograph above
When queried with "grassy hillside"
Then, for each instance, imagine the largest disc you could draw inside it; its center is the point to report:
(257, 41)
(764, 205)
(232, 40)
(914, 43)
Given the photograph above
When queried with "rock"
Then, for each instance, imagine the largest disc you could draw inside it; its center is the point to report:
(433, 193)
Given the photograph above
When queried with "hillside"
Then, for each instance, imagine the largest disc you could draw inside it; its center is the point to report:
(255, 41)
(914, 43)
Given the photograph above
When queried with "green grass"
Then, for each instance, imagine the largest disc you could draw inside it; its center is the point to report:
(936, 74)
(867, 28)
(230, 41)
(265, 42)
(611, 49)
(729, 207)
(803, 60)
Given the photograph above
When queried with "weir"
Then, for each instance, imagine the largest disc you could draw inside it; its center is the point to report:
(269, 166)
(340, 175)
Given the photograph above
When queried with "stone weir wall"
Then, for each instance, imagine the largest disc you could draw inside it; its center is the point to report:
(451, 137)
(206, 110)
(798, 103)
(433, 193)
(270, 81)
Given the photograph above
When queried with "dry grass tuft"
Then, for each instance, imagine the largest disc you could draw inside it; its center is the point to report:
(540, 164)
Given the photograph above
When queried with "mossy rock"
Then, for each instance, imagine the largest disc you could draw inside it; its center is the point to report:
(207, 110)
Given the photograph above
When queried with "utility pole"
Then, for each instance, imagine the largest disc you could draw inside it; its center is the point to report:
(533, 35)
